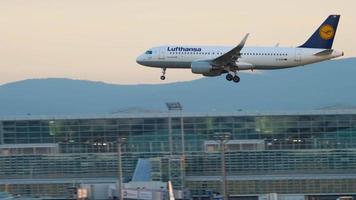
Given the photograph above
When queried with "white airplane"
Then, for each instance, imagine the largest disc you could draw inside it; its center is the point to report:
(217, 60)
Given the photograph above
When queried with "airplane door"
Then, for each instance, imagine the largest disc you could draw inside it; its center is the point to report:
(298, 55)
(161, 54)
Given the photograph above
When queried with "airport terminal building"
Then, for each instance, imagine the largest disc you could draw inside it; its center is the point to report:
(306, 154)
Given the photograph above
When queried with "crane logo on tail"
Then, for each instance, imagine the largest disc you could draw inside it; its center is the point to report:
(327, 32)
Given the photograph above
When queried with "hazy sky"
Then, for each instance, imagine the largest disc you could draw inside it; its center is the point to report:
(100, 39)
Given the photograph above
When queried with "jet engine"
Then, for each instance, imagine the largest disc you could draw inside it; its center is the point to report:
(201, 67)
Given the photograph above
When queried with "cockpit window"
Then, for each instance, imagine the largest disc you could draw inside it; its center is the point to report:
(148, 52)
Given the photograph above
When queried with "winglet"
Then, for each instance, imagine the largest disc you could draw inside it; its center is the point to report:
(243, 41)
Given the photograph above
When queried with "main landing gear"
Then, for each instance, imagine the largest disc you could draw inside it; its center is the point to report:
(163, 73)
(234, 77)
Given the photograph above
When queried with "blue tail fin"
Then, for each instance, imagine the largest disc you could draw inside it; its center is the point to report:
(323, 37)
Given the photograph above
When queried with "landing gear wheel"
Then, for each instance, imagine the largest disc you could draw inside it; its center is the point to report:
(163, 74)
(236, 79)
(229, 77)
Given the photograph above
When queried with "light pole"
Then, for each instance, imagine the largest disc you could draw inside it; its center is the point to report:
(223, 138)
(120, 141)
(1, 134)
(176, 106)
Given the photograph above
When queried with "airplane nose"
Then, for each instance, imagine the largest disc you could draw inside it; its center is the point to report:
(139, 60)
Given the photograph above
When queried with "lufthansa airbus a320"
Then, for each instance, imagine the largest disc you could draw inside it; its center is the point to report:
(218, 60)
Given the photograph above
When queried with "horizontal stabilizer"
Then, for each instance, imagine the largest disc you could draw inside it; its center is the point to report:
(324, 52)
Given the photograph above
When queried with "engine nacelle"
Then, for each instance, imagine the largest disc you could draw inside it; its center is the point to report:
(201, 67)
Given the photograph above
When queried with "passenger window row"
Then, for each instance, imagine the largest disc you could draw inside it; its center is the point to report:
(264, 54)
(196, 53)
(219, 53)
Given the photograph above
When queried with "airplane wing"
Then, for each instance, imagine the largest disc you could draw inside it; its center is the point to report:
(230, 57)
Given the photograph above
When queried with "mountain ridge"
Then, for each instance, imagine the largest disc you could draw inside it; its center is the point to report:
(304, 88)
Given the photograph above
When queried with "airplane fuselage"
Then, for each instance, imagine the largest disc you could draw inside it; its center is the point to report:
(263, 58)
(217, 60)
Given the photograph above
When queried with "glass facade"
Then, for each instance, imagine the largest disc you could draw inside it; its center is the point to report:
(296, 153)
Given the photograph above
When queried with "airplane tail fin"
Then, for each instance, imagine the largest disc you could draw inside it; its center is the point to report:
(323, 37)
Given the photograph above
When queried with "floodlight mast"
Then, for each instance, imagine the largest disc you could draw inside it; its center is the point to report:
(223, 138)
(177, 106)
(120, 142)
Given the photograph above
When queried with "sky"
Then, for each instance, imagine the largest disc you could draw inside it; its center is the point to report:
(99, 40)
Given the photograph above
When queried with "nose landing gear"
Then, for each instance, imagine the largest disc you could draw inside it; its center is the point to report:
(163, 73)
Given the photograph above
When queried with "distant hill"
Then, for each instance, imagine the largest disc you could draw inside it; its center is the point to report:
(321, 85)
